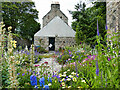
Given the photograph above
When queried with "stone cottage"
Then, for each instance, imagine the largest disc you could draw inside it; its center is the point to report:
(55, 32)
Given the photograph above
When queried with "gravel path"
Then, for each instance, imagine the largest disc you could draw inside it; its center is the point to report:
(53, 65)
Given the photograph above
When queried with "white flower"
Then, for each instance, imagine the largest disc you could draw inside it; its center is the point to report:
(83, 81)
(68, 79)
(49, 84)
(65, 72)
(2, 23)
(69, 86)
(68, 70)
(74, 79)
(70, 76)
(73, 73)
(63, 87)
(64, 75)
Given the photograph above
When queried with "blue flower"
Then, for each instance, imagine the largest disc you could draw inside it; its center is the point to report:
(97, 69)
(33, 80)
(97, 29)
(42, 81)
(115, 29)
(49, 79)
(46, 87)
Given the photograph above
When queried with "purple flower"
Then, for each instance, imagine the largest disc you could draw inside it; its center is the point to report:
(115, 29)
(106, 27)
(18, 73)
(70, 55)
(97, 28)
(109, 58)
(2, 55)
(97, 69)
(23, 74)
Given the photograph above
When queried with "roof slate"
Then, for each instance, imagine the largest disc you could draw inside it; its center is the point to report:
(56, 27)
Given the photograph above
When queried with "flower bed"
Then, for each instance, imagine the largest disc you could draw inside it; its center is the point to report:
(82, 66)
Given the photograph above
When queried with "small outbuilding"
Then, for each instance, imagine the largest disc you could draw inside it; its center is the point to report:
(56, 32)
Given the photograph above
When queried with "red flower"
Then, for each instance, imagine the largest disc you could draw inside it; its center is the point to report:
(36, 65)
(61, 85)
(46, 62)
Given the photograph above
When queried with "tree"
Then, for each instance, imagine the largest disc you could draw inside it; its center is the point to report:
(85, 21)
(22, 16)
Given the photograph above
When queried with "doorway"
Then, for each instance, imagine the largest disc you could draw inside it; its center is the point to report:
(51, 43)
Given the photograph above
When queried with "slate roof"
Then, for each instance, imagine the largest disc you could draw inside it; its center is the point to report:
(56, 27)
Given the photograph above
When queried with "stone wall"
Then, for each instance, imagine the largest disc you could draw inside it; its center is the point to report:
(59, 42)
(55, 11)
(64, 41)
(113, 16)
(41, 41)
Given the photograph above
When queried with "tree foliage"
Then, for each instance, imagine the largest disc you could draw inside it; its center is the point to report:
(85, 21)
(22, 16)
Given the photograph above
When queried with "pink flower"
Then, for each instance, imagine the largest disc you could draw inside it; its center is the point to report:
(109, 58)
(69, 59)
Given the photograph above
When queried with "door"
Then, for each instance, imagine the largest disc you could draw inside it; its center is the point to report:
(51, 43)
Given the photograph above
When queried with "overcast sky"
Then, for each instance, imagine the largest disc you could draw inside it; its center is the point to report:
(44, 6)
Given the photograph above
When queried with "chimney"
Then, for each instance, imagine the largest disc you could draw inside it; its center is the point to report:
(55, 5)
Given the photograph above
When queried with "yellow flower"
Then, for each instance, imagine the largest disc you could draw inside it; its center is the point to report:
(55, 81)
(17, 62)
(60, 74)
(9, 28)
(14, 41)
(63, 84)
(74, 79)
(14, 45)
(63, 79)
(79, 87)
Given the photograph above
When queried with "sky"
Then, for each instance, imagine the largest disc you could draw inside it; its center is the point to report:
(44, 6)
